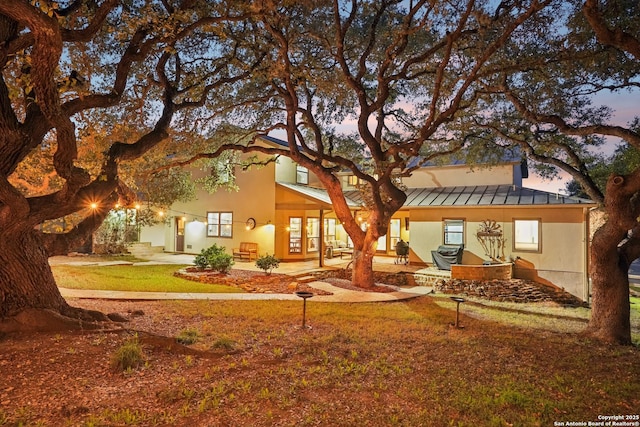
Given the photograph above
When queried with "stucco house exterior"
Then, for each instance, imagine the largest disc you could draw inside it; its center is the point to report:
(283, 208)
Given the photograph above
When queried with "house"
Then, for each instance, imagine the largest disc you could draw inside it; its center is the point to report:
(531, 234)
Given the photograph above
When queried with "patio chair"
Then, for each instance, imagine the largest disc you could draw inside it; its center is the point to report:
(402, 252)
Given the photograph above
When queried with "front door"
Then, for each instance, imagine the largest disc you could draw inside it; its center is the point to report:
(180, 234)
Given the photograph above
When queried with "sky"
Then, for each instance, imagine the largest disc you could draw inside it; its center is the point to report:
(625, 106)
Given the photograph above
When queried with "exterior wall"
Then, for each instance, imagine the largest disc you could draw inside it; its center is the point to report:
(459, 175)
(254, 199)
(154, 234)
(561, 261)
(285, 170)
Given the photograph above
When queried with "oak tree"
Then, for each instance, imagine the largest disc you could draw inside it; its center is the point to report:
(85, 89)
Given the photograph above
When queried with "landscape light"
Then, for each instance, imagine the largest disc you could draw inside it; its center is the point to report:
(94, 205)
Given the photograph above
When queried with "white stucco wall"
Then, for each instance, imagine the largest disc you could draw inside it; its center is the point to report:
(154, 234)
(459, 175)
(560, 262)
(255, 199)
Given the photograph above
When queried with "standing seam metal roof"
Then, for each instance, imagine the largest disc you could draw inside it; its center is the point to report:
(481, 195)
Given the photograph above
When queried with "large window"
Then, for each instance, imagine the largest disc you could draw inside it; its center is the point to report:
(526, 234)
(394, 232)
(313, 234)
(453, 232)
(329, 229)
(219, 224)
(302, 175)
(295, 235)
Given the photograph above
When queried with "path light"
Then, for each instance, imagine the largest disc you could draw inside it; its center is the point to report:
(458, 300)
(94, 205)
(304, 295)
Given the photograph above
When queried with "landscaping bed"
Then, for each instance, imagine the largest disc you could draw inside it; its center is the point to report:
(513, 290)
(249, 281)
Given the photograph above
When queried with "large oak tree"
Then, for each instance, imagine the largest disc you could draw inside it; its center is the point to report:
(86, 88)
(550, 112)
(402, 72)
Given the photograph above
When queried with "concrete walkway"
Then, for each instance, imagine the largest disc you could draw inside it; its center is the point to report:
(292, 268)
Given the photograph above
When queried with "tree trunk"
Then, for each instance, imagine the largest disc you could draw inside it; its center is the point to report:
(610, 313)
(26, 280)
(362, 275)
(29, 297)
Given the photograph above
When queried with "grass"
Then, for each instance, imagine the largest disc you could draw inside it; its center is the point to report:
(536, 316)
(143, 278)
(128, 356)
(401, 364)
(385, 364)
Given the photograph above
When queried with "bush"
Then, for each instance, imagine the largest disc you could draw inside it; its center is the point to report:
(267, 263)
(202, 260)
(214, 257)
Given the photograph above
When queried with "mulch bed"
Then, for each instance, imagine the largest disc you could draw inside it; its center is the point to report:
(250, 281)
(514, 290)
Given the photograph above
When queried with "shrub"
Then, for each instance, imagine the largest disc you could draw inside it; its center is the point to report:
(202, 260)
(219, 260)
(214, 257)
(267, 263)
(128, 356)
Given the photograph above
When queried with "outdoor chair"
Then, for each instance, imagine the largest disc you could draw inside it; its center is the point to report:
(402, 252)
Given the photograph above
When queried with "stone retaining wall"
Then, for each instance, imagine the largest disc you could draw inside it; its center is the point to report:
(482, 272)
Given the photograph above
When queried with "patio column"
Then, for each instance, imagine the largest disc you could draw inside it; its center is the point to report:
(321, 243)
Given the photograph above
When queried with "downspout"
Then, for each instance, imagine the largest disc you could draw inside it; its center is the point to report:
(587, 252)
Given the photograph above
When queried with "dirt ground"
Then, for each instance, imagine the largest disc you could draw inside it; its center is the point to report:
(264, 370)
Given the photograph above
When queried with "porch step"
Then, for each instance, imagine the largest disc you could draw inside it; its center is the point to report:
(144, 249)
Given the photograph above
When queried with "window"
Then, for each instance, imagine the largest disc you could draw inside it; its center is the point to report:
(453, 231)
(302, 175)
(353, 180)
(526, 234)
(219, 224)
(329, 229)
(394, 232)
(295, 235)
(313, 234)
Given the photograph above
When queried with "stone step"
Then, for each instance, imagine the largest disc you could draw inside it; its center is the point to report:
(144, 249)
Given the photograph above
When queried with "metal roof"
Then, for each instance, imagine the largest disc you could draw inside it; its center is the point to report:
(316, 194)
(482, 195)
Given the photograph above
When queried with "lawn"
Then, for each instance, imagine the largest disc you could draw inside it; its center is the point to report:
(142, 278)
(250, 363)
